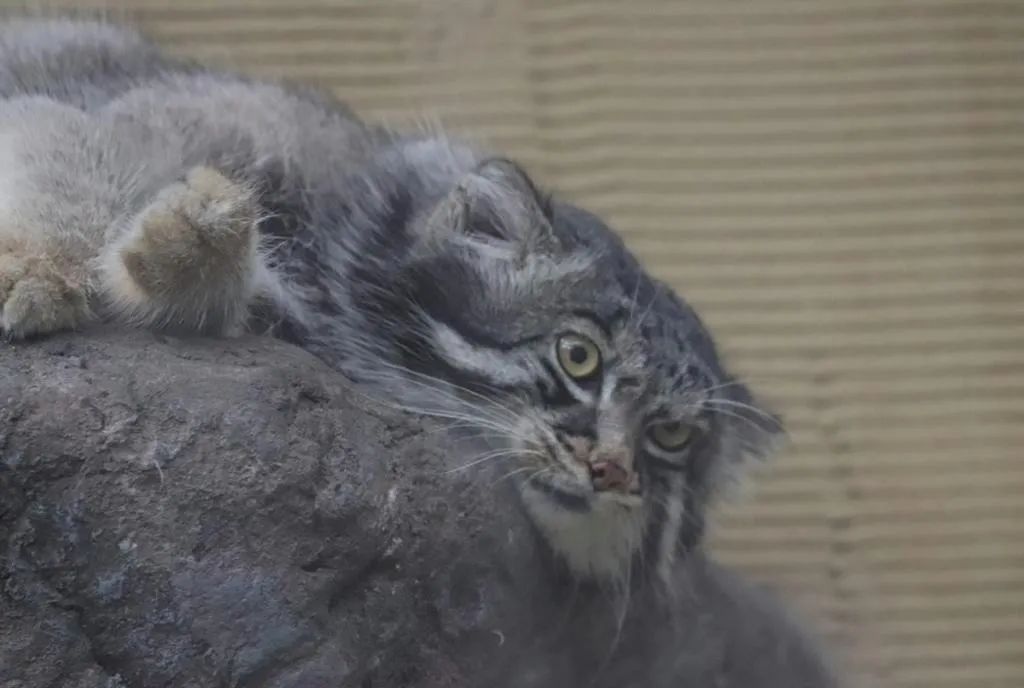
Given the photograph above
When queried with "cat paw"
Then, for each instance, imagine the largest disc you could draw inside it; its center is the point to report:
(37, 299)
(200, 230)
(189, 260)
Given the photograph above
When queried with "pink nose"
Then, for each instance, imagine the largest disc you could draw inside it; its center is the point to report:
(609, 475)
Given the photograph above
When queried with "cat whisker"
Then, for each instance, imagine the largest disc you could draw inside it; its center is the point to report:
(444, 389)
(478, 416)
(724, 385)
(650, 305)
(488, 456)
(746, 407)
(405, 371)
(540, 472)
(633, 300)
(732, 414)
(513, 473)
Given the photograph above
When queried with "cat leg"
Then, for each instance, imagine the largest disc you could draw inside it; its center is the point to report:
(37, 296)
(190, 260)
(44, 247)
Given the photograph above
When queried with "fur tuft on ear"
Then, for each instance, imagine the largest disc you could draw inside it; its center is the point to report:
(497, 204)
(508, 174)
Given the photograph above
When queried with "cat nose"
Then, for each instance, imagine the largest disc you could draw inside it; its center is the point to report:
(610, 475)
(610, 470)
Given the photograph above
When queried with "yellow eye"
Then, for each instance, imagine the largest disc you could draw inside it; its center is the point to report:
(578, 356)
(670, 435)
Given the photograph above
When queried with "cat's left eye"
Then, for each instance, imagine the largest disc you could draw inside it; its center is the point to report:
(579, 357)
(670, 436)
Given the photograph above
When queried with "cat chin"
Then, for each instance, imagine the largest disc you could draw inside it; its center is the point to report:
(596, 535)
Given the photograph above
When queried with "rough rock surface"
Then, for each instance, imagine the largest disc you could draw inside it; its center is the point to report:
(232, 513)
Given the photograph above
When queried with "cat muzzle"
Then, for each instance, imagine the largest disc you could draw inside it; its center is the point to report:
(610, 476)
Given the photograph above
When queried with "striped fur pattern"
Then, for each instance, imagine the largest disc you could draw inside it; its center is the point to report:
(141, 190)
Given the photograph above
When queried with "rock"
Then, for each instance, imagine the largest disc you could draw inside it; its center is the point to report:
(233, 513)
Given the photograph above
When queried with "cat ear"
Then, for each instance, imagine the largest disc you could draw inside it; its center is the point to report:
(495, 204)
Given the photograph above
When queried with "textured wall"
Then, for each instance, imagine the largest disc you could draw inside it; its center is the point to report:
(837, 185)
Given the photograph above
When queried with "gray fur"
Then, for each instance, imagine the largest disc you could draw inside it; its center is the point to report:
(133, 185)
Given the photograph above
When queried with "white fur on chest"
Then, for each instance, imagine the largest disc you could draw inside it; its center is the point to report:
(595, 544)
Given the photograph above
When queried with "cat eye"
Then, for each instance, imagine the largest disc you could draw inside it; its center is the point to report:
(579, 357)
(670, 435)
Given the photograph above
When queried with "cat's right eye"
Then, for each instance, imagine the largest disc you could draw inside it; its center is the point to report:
(579, 357)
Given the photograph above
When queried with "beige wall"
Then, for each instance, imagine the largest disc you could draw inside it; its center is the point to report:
(838, 186)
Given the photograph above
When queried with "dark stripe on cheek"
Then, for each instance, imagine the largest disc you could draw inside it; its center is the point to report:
(475, 336)
(439, 286)
(421, 357)
(666, 465)
(652, 536)
(692, 526)
(560, 395)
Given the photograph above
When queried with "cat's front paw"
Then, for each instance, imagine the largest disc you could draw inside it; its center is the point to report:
(197, 230)
(190, 258)
(36, 298)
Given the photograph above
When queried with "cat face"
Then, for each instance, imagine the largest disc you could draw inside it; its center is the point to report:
(595, 387)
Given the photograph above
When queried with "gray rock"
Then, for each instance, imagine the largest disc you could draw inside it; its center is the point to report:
(232, 513)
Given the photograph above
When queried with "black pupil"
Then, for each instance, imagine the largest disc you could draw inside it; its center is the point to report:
(578, 354)
(671, 427)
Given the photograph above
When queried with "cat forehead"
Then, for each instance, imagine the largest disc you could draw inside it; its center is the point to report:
(644, 312)
(653, 332)
(677, 353)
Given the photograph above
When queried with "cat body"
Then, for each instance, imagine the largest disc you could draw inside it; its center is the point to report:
(143, 190)
(109, 146)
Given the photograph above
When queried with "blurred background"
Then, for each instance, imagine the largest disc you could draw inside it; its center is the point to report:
(838, 186)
